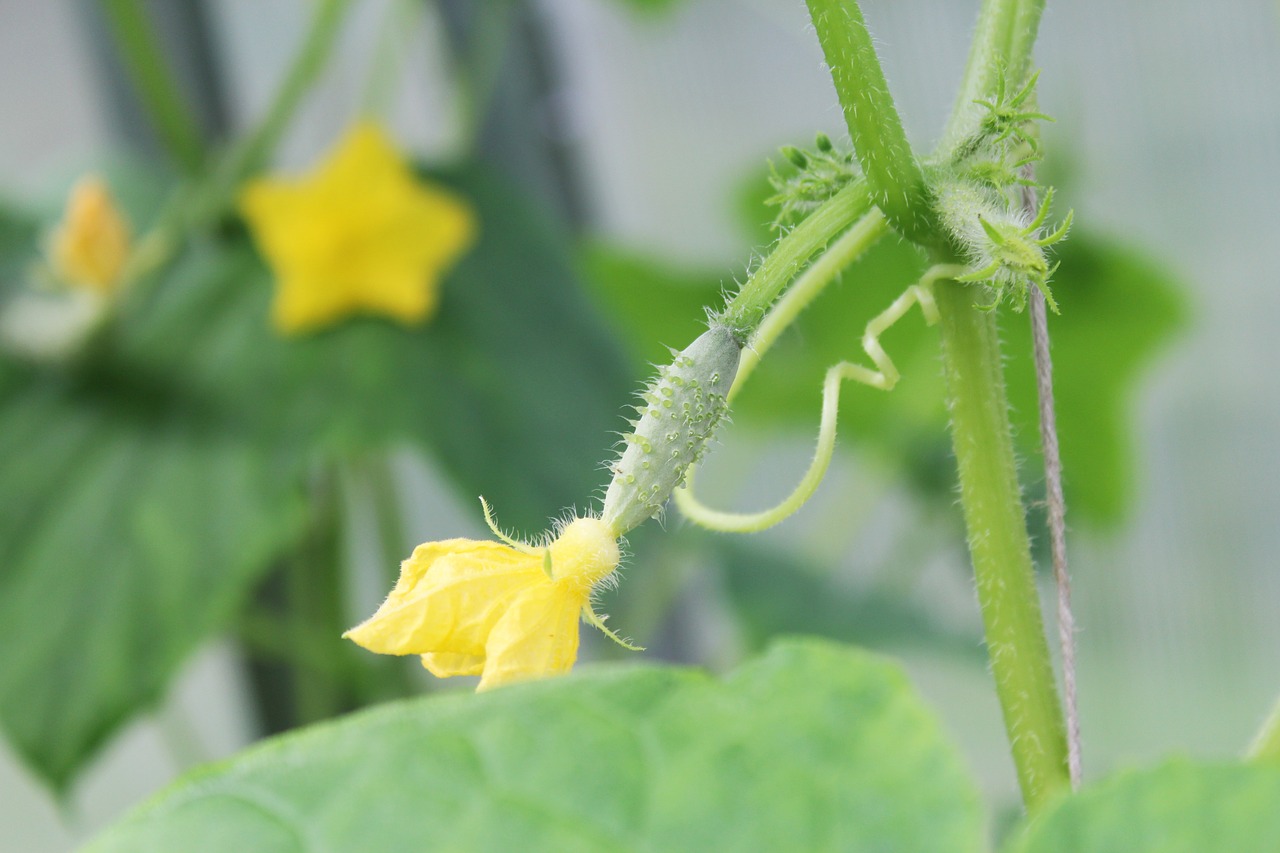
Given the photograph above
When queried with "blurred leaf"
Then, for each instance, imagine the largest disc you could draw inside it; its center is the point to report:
(515, 386)
(775, 594)
(813, 746)
(148, 486)
(19, 242)
(903, 425)
(1118, 309)
(659, 306)
(651, 6)
(1178, 807)
(130, 526)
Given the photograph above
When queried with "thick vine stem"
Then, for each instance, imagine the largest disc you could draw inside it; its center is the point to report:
(895, 177)
(999, 546)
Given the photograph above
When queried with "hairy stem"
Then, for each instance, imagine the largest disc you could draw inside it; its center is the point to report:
(838, 257)
(999, 546)
(1002, 45)
(316, 609)
(170, 116)
(896, 179)
(746, 310)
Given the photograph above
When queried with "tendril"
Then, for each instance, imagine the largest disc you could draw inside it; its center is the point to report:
(884, 377)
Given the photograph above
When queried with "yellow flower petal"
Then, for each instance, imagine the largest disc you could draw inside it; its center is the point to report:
(446, 664)
(91, 245)
(448, 598)
(536, 637)
(359, 234)
(480, 608)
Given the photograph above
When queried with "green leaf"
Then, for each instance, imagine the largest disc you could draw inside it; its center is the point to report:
(515, 386)
(812, 747)
(147, 487)
(1178, 807)
(131, 523)
(659, 306)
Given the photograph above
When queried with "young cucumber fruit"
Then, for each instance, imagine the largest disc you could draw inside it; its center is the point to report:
(679, 413)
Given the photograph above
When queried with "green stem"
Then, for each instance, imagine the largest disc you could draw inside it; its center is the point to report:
(1266, 746)
(154, 81)
(999, 546)
(839, 256)
(896, 179)
(477, 66)
(401, 17)
(315, 595)
(380, 474)
(203, 202)
(383, 678)
(1002, 44)
(748, 307)
(252, 153)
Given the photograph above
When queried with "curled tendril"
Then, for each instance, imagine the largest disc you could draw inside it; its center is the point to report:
(884, 377)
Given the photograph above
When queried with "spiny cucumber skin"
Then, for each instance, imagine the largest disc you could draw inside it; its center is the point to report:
(681, 409)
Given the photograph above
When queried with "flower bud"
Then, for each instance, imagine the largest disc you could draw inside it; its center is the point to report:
(91, 247)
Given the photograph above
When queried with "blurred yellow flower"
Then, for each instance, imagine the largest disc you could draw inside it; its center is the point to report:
(505, 612)
(360, 233)
(90, 246)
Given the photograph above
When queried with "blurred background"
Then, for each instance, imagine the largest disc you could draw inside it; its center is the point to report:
(644, 130)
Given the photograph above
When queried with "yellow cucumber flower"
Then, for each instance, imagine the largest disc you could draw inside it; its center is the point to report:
(360, 234)
(506, 612)
(90, 246)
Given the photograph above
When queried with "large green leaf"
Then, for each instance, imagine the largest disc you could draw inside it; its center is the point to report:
(131, 523)
(1178, 807)
(812, 747)
(1118, 309)
(145, 488)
